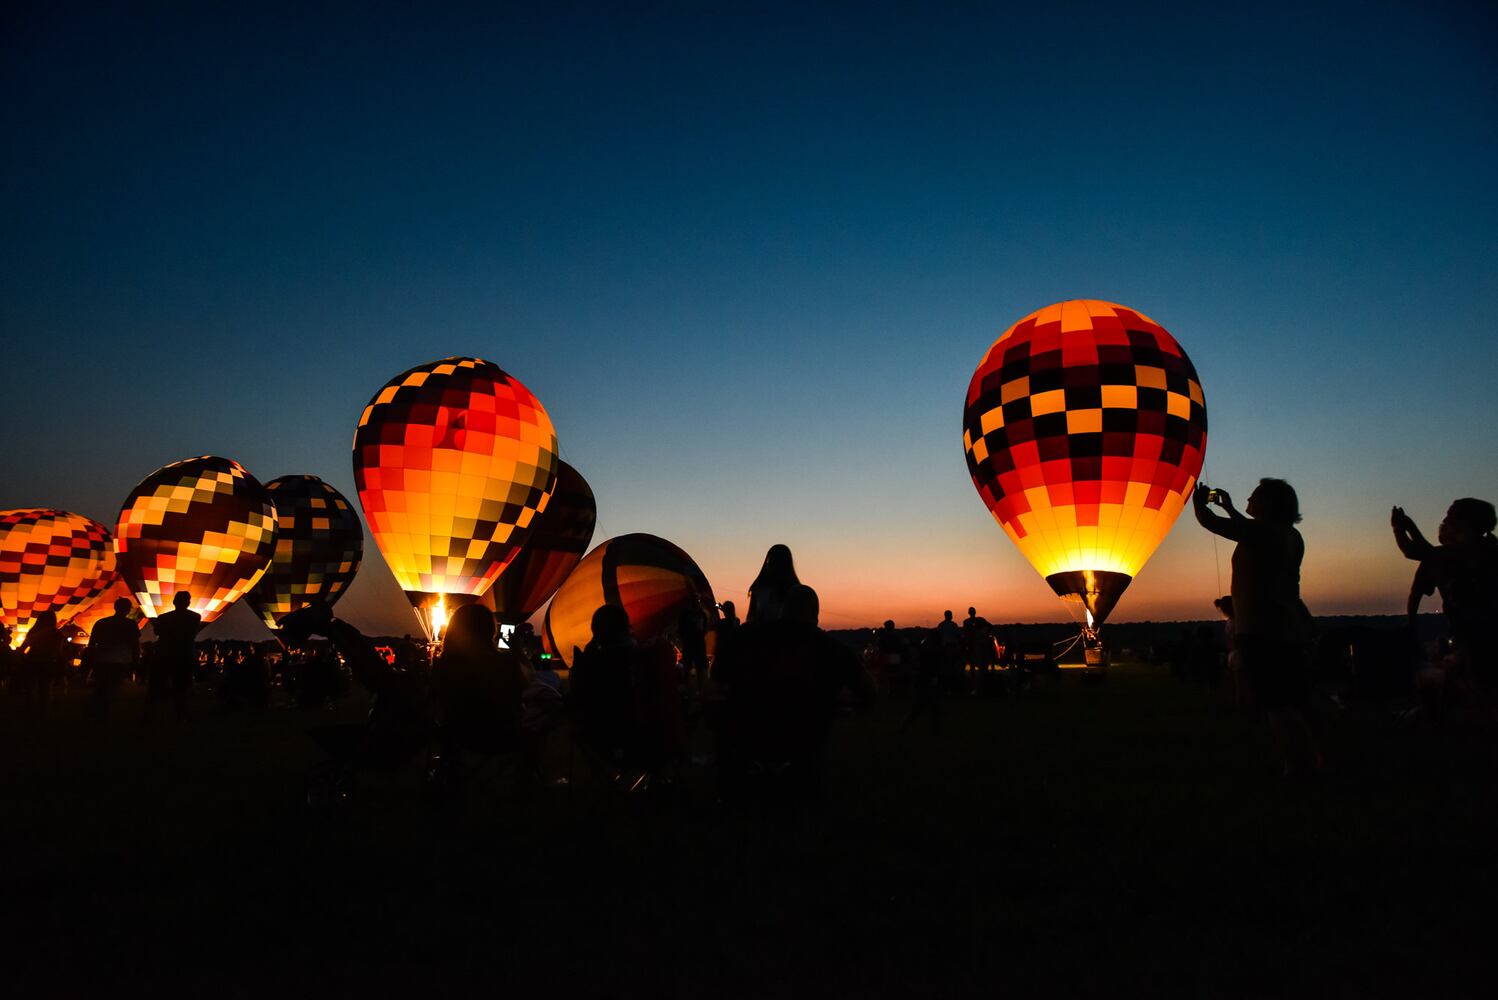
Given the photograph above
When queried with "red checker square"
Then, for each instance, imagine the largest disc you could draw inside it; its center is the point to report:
(1087, 515)
(1089, 492)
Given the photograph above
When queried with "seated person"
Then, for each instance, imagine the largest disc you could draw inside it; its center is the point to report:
(476, 686)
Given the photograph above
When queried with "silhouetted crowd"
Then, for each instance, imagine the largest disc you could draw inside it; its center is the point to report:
(768, 690)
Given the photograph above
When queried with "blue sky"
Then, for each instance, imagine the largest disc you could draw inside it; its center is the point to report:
(749, 258)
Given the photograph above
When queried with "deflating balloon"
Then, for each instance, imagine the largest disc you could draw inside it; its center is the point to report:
(103, 607)
(558, 540)
(1085, 428)
(202, 525)
(50, 560)
(651, 579)
(453, 460)
(319, 543)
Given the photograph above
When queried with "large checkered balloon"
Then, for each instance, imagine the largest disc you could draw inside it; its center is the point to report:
(557, 544)
(651, 579)
(319, 543)
(454, 460)
(201, 525)
(1085, 427)
(50, 560)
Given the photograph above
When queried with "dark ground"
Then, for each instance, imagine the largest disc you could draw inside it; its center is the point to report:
(1114, 839)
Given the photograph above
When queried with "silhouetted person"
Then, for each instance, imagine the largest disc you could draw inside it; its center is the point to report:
(113, 652)
(1463, 568)
(1271, 624)
(603, 686)
(893, 657)
(951, 651)
(768, 593)
(926, 682)
(782, 682)
(691, 632)
(176, 655)
(44, 657)
(397, 726)
(977, 643)
(476, 689)
(724, 630)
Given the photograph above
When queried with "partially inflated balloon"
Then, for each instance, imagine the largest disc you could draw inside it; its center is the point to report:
(651, 579)
(319, 543)
(1085, 427)
(50, 560)
(453, 460)
(202, 525)
(558, 540)
(103, 607)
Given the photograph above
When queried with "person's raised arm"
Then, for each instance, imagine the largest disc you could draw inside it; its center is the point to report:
(1407, 536)
(1230, 524)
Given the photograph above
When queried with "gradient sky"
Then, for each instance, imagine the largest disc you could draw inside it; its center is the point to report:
(749, 260)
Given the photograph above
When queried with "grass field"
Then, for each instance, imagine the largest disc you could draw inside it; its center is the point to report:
(1124, 838)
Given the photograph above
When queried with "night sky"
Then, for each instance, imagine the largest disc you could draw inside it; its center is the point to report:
(748, 260)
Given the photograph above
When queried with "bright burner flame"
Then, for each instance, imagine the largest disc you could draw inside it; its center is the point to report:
(439, 619)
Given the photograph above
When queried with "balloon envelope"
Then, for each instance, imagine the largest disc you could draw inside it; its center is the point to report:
(50, 560)
(651, 579)
(453, 460)
(201, 525)
(1085, 428)
(557, 543)
(319, 544)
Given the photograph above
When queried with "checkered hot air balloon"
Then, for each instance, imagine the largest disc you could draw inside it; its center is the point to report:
(454, 460)
(319, 544)
(557, 543)
(50, 560)
(1085, 428)
(651, 579)
(201, 525)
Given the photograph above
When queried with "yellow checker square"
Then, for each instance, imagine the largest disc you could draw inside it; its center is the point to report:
(1088, 421)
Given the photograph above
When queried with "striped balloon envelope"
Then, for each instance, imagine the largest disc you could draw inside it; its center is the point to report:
(319, 544)
(51, 560)
(103, 607)
(1085, 429)
(557, 543)
(454, 460)
(202, 525)
(652, 580)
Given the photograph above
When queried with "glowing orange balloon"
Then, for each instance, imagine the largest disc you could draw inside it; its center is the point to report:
(50, 560)
(203, 525)
(651, 579)
(1085, 429)
(454, 460)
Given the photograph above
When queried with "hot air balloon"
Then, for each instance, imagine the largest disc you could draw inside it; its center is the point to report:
(103, 606)
(454, 460)
(558, 540)
(319, 543)
(50, 560)
(651, 579)
(1085, 427)
(203, 525)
